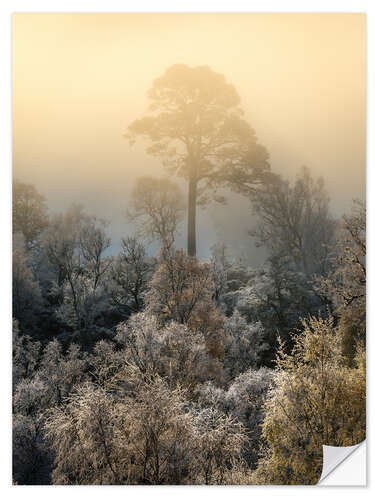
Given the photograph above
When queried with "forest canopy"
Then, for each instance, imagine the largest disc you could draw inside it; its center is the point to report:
(133, 368)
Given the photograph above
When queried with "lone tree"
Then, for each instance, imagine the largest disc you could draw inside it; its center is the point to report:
(197, 129)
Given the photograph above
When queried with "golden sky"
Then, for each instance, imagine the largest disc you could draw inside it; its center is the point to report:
(80, 79)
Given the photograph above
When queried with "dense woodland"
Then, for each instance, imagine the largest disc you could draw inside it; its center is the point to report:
(166, 369)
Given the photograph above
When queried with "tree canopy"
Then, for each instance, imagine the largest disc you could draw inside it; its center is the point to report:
(198, 130)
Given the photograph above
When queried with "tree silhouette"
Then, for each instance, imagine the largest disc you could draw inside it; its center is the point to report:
(29, 212)
(197, 129)
(157, 207)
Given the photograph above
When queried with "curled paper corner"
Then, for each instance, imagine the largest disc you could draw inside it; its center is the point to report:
(353, 465)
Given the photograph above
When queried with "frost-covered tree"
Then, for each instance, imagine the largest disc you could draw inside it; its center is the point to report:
(238, 277)
(75, 244)
(82, 302)
(244, 344)
(28, 452)
(182, 290)
(99, 439)
(220, 439)
(315, 400)
(26, 352)
(140, 337)
(82, 435)
(346, 284)
(106, 361)
(30, 399)
(62, 243)
(130, 274)
(158, 449)
(294, 221)
(59, 371)
(243, 400)
(145, 433)
(179, 287)
(172, 351)
(93, 242)
(279, 297)
(75, 241)
(47, 386)
(30, 396)
(184, 355)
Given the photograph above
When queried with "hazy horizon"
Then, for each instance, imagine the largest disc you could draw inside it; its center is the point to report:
(80, 79)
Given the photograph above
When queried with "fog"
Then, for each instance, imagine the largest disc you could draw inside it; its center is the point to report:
(80, 80)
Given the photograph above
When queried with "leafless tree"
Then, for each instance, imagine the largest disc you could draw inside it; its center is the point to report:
(157, 206)
(294, 221)
(130, 274)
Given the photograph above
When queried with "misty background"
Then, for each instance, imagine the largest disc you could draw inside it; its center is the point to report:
(80, 79)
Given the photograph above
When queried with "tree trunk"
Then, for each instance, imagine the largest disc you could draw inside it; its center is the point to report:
(191, 217)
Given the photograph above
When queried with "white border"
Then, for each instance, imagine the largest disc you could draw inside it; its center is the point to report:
(6, 9)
